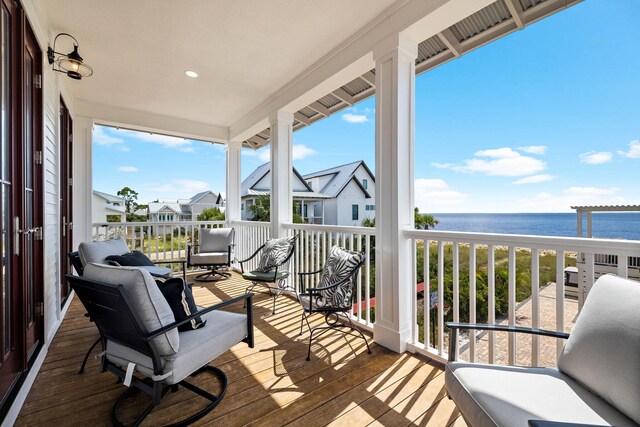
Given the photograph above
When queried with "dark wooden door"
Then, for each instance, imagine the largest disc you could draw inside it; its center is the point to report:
(66, 194)
(21, 197)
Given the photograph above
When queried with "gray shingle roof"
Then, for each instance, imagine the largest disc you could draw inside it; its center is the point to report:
(342, 175)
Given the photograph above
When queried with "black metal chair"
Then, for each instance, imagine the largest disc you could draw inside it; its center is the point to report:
(335, 297)
(213, 251)
(274, 279)
(132, 343)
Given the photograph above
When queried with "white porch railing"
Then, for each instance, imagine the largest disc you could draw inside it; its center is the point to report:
(446, 277)
(160, 241)
(250, 235)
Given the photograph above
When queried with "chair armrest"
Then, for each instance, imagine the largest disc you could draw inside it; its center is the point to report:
(507, 328)
(308, 273)
(252, 256)
(453, 333)
(165, 329)
(543, 423)
(177, 261)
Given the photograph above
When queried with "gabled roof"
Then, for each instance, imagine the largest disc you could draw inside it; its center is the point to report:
(108, 197)
(342, 175)
(200, 195)
(248, 186)
(155, 207)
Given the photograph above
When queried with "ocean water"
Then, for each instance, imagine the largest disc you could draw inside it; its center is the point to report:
(607, 225)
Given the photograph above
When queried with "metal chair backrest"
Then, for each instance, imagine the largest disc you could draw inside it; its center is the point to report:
(76, 262)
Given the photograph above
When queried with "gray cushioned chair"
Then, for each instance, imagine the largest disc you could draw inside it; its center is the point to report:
(597, 382)
(213, 251)
(99, 250)
(140, 334)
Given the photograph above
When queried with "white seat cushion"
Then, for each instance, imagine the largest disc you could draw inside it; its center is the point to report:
(197, 347)
(210, 258)
(603, 351)
(215, 239)
(490, 395)
(98, 251)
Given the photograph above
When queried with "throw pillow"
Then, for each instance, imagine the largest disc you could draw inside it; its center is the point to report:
(275, 252)
(180, 299)
(131, 259)
(338, 267)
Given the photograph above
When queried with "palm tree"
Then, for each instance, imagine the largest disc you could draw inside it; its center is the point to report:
(424, 221)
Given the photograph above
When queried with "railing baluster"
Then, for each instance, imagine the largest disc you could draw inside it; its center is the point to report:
(472, 301)
(415, 327)
(512, 304)
(359, 278)
(623, 266)
(440, 311)
(559, 299)
(535, 305)
(491, 289)
(456, 287)
(367, 289)
(425, 293)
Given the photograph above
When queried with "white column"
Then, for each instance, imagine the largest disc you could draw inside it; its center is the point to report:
(395, 93)
(232, 208)
(82, 179)
(281, 169)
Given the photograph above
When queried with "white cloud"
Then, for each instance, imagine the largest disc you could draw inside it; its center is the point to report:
(634, 150)
(596, 157)
(431, 194)
(534, 149)
(534, 179)
(442, 165)
(499, 153)
(501, 162)
(355, 118)
(572, 196)
(178, 188)
(128, 169)
(299, 152)
(101, 138)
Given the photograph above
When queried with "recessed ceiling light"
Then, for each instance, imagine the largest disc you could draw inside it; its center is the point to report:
(191, 74)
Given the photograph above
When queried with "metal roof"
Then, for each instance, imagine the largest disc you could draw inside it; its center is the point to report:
(488, 24)
(342, 175)
(608, 208)
(109, 197)
(295, 194)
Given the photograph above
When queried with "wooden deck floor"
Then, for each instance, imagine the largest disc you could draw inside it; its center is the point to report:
(271, 384)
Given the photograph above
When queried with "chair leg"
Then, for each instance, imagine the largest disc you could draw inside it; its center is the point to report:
(303, 319)
(355, 328)
(86, 356)
(213, 399)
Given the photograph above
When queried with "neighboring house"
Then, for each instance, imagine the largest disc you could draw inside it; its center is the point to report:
(343, 195)
(351, 190)
(258, 183)
(107, 206)
(184, 209)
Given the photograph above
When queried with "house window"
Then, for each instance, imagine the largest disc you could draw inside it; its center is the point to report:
(309, 184)
(242, 207)
(354, 212)
(364, 183)
(304, 213)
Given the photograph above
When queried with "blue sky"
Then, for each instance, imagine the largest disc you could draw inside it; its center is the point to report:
(534, 122)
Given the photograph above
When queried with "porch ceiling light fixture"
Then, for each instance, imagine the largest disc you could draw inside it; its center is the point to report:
(70, 63)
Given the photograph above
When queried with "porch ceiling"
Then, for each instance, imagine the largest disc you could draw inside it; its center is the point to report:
(243, 51)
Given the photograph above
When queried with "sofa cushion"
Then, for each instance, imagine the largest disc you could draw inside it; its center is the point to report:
(215, 239)
(603, 351)
(339, 266)
(210, 258)
(151, 307)
(100, 250)
(490, 395)
(130, 259)
(180, 299)
(275, 252)
(197, 347)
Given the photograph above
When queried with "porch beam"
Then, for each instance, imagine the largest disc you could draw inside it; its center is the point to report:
(232, 203)
(321, 109)
(343, 95)
(369, 77)
(281, 166)
(301, 118)
(395, 79)
(450, 40)
(515, 9)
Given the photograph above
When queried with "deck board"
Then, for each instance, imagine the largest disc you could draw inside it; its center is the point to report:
(270, 385)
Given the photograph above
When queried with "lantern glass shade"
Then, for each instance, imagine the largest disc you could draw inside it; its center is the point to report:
(74, 68)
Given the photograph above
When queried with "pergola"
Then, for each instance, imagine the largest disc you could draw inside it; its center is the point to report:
(581, 210)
